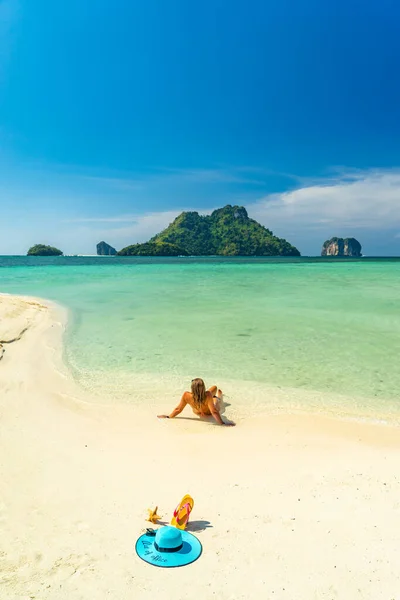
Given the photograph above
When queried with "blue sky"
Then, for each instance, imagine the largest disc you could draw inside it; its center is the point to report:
(115, 116)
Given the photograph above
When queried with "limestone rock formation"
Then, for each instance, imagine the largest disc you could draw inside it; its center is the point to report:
(341, 247)
(104, 249)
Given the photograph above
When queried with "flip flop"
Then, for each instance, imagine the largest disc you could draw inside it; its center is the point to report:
(182, 512)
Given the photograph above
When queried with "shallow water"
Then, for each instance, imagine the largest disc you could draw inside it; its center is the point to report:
(277, 333)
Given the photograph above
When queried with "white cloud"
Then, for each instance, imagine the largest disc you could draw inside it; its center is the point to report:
(140, 228)
(144, 227)
(358, 200)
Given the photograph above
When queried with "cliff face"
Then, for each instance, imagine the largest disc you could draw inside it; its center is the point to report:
(104, 249)
(341, 247)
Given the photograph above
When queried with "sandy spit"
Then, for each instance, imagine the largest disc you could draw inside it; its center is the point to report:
(295, 508)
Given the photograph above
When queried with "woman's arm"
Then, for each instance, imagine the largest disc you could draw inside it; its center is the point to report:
(215, 412)
(176, 410)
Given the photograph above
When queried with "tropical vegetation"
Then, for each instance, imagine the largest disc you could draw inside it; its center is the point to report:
(42, 250)
(227, 231)
(152, 249)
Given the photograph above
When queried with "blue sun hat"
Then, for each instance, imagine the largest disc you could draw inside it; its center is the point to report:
(168, 547)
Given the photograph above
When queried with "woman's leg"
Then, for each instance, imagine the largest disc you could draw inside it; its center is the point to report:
(217, 395)
(213, 390)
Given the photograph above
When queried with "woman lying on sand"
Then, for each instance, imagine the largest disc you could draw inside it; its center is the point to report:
(203, 402)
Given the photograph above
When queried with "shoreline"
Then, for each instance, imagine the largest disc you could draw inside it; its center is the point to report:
(302, 506)
(76, 393)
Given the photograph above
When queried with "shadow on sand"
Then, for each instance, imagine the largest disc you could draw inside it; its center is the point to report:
(208, 420)
(198, 526)
(222, 405)
(192, 526)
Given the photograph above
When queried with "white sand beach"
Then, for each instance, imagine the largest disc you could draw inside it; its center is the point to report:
(286, 507)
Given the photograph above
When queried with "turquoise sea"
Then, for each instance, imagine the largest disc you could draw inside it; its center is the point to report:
(278, 334)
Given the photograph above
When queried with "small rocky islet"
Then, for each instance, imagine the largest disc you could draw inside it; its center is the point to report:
(341, 247)
(104, 249)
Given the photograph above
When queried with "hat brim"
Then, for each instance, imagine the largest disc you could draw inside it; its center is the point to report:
(190, 551)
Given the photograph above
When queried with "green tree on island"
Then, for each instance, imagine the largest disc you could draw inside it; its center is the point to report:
(42, 250)
(227, 231)
(152, 249)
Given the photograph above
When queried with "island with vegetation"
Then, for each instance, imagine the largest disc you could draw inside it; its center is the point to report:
(341, 247)
(228, 231)
(42, 250)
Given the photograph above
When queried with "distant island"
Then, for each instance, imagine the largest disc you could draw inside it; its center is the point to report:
(42, 250)
(341, 247)
(104, 249)
(227, 231)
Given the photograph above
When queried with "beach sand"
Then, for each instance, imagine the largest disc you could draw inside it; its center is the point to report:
(290, 507)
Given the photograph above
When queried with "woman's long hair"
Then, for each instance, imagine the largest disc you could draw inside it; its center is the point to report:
(199, 392)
